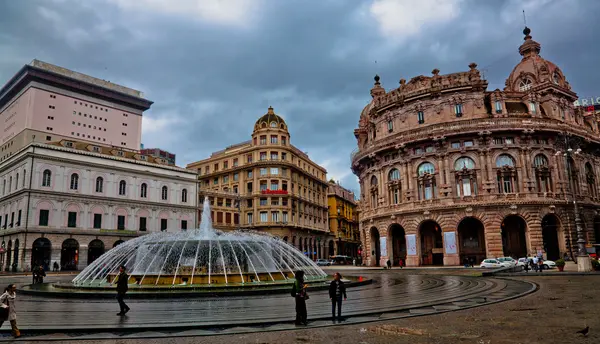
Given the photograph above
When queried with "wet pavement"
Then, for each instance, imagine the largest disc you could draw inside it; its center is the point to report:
(393, 295)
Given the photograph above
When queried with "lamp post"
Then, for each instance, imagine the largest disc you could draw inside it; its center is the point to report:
(568, 143)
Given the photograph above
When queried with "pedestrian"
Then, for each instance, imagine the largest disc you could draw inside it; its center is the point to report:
(41, 274)
(354, 262)
(337, 290)
(122, 286)
(535, 263)
(526, 266)
(55, 267)
(401, 263)
(7, 303)
(541, 264)
(389, 264)
(34, 275)
(299, 293)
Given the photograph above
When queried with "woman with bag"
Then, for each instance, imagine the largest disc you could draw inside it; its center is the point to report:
(7, 309)
(299, 293)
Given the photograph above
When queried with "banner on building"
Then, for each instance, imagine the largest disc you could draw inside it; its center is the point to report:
(411, 245)
(383, 246)
(450, 242)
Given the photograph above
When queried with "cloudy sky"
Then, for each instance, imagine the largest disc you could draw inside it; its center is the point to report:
(212, 67)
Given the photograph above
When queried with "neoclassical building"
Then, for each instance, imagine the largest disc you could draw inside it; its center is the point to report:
(451, 172)
(69, 202)
(267, 184)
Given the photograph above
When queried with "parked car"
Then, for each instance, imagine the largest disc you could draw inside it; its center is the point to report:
(508, 260)
(548, 264)
(323, 262)
(490, 263)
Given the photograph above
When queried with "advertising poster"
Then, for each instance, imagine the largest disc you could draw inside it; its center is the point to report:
(450, 242)
(383, 246)
(411, 245)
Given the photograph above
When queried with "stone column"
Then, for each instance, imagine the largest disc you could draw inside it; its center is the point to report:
(447, 170)
(451, 259)
(488, 155)
(482, 167)
(534, 236)
(83, 257)
(493, 241)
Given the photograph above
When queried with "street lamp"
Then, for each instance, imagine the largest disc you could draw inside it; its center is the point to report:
(567, 142)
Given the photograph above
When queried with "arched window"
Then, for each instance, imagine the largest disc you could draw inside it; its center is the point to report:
(556, 78)
(144, 190)
(426, 181)
(74, 181)
(164, 193)
(99, 184)
(46, 178)
(542, 173)
(506, 174)
(466, 179)
(374, 192)
(122, 187)
(525, 85)
(590, 177)
(394, 185)
(184, 196)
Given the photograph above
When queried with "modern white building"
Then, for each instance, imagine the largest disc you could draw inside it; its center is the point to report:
(69, 201)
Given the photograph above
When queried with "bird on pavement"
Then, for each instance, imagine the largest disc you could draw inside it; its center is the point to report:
(585, 331)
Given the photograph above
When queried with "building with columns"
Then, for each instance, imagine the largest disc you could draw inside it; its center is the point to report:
(343, 220)
(68, 202)
(267, 184)
(450, 171)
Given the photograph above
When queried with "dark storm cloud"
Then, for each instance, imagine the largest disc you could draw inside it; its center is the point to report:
(313, 61)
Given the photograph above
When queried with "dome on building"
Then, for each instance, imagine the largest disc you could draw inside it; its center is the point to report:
(533, 69)
(270, 120)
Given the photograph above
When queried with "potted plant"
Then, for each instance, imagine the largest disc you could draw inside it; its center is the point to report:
(560, 264)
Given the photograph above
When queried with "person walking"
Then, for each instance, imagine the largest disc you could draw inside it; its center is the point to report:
(535, 263)
(7, 303)
(541, 265)
(55, 267)
(299, 293)
(34, 274)
(122, 287)
(41, 273)
(337, 289)
(389, 264)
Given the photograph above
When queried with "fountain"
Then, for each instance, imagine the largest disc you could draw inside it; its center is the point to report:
(201, 258)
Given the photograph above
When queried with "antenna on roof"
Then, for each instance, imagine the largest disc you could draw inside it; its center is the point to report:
(524, 18)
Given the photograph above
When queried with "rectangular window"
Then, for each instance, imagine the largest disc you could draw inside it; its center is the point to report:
(143, 227)
(273, 140)
(72, 219)
(121, 222)
(225, 164)
(183, 224)
(249, 203)
(19, 219)
(274, 200)
(532, 108)
(236, 177)
(225, 179)
(249, 174)
(498, 106)
(421, 117)
(216, 181)
(206, 169)
(509, 140)
(429, 149)
(12, 219)
(263, 201)
(97, 221)
(249, 217)
(455, 144)
(263, 156)
(274, 185)
(274, 156)
(418, 150)
(235, 162)
(468, 143)
(274, 170)
(249, 187)
(284, 156)
(458, 110)
(284, 217)
(163, 225)
(390, 126)
(263, 140)
(283, 140)
(44, 215)
(263, 171)
(249, 158)
(263, 216)
(275, 216)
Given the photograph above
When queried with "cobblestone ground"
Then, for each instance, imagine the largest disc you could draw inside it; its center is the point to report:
(562, 306)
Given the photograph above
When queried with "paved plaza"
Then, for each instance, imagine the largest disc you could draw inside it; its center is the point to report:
(412, 306)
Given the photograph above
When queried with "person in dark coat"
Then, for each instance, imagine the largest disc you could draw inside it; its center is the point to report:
(55, 267)
(337, 290)
(299, 293)
(122, 287)
(41, 273)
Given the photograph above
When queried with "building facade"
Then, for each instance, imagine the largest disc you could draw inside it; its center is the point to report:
(268, 185)
(158, 153)
(47, 103)
(343, 221)
(451, 172)
(68, 202)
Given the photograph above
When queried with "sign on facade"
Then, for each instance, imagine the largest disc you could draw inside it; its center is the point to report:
(411, 245)
(383, 246)
(450, 242)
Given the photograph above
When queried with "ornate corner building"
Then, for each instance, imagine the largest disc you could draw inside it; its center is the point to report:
(451, 172)
(267, 184)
